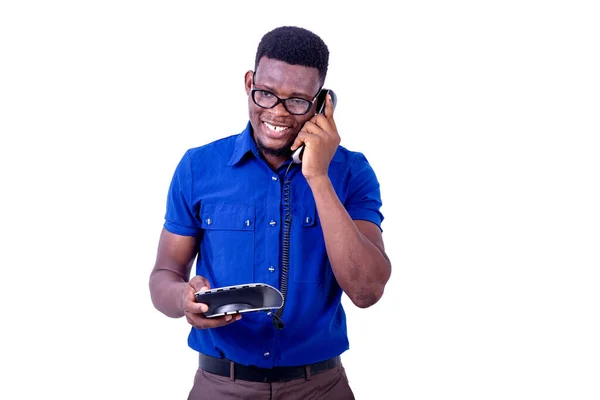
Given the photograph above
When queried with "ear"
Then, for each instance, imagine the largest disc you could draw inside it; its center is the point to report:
(248, 82)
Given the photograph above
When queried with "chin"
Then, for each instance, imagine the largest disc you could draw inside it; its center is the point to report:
(277, 152)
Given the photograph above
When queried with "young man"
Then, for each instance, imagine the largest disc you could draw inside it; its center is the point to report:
(246, 213)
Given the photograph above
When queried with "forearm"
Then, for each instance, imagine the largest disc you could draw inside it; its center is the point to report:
(360, 267)
(166, 291)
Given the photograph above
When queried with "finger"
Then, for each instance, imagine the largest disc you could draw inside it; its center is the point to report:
(324, 129)
(328, 106)
(224, 320)
(190, 306)
(315, 134)
(307, 136)
(189, 302)
(311, 126)
(228, 319)
(300, 139)
(326, 120)
(197, 282)
(202, 322)
(320, 125)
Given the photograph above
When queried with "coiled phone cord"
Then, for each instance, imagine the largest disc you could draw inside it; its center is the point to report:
(285, 251)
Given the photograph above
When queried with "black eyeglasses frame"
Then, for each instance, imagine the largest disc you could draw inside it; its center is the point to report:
(280, 100)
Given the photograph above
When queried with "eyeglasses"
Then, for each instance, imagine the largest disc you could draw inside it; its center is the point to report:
(293, 105)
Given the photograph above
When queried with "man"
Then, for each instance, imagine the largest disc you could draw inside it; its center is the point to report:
(246, 213)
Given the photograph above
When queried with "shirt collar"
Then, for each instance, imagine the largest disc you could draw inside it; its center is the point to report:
(244, 143)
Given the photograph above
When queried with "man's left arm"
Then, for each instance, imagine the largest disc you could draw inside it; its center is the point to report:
(354, 247)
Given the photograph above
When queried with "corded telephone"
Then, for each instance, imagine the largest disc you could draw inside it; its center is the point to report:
(287, 213)
(297, 156)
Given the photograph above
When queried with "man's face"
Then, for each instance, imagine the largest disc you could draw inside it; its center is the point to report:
(275, 129)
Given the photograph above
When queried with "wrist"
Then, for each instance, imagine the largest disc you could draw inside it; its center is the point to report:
(318, 181)
(182, 296)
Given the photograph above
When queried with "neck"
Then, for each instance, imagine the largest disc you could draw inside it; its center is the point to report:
(274, 161)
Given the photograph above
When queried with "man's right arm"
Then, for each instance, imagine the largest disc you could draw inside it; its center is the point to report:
(171, 272)
(172, 291)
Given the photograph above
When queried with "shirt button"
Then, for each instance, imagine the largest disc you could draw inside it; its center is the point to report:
(274, 178)
(247, 222)
(208, 221)
(273, 222)
(267, 354)
(272, 268)
(308, 219)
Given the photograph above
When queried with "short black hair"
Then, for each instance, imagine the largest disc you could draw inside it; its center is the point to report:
(295, 46)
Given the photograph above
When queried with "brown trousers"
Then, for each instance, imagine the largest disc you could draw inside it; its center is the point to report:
(329, 385)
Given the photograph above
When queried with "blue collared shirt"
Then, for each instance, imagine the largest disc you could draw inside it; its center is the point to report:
(225, 194)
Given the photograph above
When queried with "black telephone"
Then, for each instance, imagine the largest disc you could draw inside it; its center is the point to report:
(297, 156)
(287, 213)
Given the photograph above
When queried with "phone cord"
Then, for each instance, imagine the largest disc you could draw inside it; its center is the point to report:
(285, 253)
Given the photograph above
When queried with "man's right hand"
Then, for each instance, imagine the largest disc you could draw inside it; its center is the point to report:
(194, 312)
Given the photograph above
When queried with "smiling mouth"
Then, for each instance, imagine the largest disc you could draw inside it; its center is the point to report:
(275, 130)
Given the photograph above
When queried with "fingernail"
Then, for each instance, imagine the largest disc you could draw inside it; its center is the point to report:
(204, 308)
(228, 318)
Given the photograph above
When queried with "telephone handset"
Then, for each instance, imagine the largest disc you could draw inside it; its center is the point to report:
(297, 156)
(287, 213)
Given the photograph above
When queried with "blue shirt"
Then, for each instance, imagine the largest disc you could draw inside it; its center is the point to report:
(226, 194)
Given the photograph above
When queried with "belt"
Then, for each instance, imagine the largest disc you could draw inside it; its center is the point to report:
(225, 367)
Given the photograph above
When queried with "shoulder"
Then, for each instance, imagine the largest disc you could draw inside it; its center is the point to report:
(213, 151)
(347, 159)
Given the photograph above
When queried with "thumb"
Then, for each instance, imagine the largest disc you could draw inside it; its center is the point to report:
(199, 283)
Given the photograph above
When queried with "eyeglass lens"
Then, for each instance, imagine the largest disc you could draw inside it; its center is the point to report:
(294, 105)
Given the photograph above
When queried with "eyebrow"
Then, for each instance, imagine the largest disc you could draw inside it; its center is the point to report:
(294, 94)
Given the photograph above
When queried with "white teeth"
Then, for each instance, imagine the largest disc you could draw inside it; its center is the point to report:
(275, 128)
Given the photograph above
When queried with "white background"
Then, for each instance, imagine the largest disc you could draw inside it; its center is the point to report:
(481, 120)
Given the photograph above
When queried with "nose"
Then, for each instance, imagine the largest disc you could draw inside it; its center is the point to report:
(280, 109)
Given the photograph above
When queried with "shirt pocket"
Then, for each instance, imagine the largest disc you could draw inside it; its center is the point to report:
(227, 247)
(309, 254)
